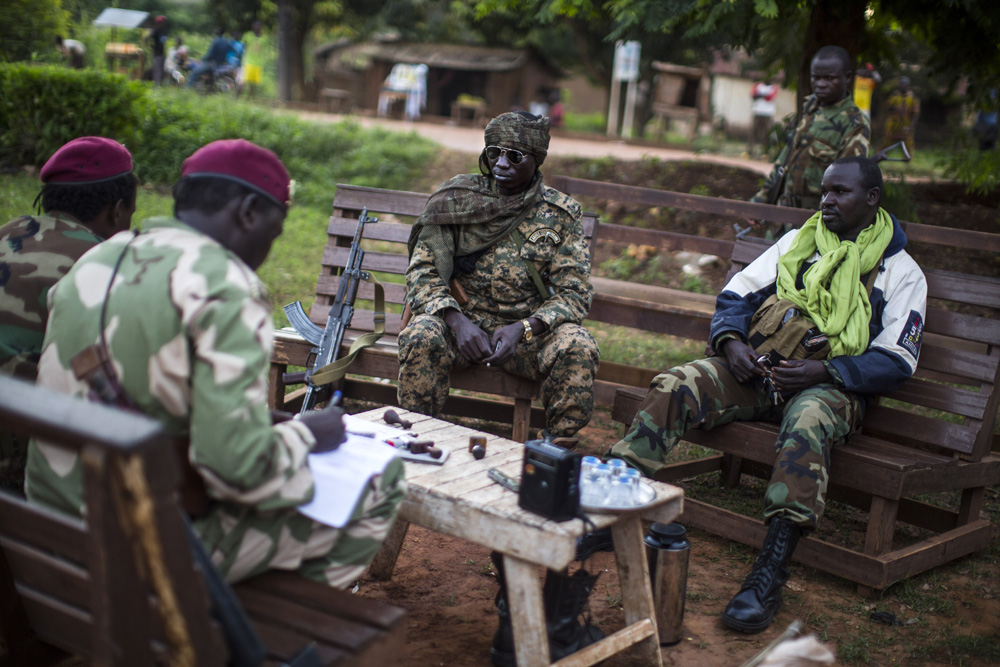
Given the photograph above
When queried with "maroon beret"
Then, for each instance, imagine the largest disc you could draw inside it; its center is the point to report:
(243, 162)
(87, 160)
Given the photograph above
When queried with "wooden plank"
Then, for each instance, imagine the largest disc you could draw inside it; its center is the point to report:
(384, 562)
(394, 292)
(374, 261)
(942, 397)
(937, 550)
(906, 427)
(654, 294)
(356, 197)
(963, 288)
(633, 577)
(524, 595)
(284, 643)
(64, 626)
(962, 325)
(389, 232)
(57, 533)
(47, 574)
(657, 318)
(665, 241)
(610, 645)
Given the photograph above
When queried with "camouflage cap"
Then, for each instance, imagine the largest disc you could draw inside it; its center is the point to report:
(87, 160)
(520, 130)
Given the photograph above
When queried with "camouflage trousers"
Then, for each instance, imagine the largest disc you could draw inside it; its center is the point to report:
(244, 543)
(564, 360)
(704, 394)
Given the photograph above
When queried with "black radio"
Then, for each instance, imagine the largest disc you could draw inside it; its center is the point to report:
(550, 481)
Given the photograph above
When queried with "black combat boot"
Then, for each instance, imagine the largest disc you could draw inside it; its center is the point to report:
(753, 608)
(564, 598)
(502, 650)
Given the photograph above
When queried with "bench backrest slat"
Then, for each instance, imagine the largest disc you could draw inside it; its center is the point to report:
(78, 582)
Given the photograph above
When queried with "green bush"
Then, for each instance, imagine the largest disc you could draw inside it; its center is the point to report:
(43, 107)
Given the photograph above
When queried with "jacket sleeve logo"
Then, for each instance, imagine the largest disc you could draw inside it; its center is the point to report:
(912, 334)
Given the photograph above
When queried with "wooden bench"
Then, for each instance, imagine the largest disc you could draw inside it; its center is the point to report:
(899, 455)
(386, 256)
(86, 586)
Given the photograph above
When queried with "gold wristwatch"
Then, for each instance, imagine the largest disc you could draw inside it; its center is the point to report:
(527, 331)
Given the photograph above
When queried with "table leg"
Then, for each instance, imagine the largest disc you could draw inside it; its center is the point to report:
(384, 562)
(524, 595)
(633, 576)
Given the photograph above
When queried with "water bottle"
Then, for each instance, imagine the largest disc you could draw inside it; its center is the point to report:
(667, 550)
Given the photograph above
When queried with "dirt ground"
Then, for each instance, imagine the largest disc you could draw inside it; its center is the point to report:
(950, 616)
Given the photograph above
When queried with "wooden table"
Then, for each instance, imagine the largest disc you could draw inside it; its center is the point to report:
(459, 499)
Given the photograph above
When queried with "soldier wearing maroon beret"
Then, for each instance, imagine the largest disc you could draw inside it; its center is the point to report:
(88, 194)
(188, 323)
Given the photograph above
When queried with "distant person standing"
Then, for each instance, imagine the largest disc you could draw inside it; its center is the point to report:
(763, 110)
(253, 60)
(831, 126)
(556, 112)
(904, 110)
(416, 95)
(864, 85)
(158, 38)
(72, 50)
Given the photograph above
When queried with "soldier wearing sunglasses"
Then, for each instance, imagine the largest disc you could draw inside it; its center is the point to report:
(499, 275)
(470, 283)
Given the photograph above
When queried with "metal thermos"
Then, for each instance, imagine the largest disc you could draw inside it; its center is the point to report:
(667, 550)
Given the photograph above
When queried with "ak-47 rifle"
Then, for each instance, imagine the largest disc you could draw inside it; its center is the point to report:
(326, 368)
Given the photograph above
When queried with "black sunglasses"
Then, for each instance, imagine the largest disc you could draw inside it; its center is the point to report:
(515, 157)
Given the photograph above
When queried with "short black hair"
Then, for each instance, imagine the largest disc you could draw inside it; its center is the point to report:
(85, 202)
(210, 194)
(871, 174)
(835, 53)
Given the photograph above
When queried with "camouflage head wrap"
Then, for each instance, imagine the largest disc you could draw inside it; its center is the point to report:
(519, 130)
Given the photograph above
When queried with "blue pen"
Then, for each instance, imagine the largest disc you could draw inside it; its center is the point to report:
(337, 395)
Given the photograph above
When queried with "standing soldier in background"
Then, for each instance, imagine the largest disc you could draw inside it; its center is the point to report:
(88, 194)
(831, 126)
(904, 109)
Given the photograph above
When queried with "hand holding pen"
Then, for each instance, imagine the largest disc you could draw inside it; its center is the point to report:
(504, 342)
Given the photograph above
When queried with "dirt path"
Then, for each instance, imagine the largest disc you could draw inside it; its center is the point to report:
(470, 140)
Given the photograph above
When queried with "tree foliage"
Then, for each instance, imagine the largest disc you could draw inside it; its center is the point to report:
(29, 27)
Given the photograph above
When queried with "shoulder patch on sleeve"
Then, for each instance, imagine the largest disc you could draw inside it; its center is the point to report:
(913, 333)
(563, 201)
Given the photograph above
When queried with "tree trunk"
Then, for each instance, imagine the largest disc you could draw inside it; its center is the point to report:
(832, 23)
(285, 50)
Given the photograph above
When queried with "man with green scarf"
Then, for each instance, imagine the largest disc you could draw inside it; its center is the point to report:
(517, 251)
(874, 326)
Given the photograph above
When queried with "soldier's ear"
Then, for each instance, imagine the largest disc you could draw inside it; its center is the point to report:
(874, 196)
(246, 212)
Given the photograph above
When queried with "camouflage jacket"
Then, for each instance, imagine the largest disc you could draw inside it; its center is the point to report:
(822, 135)
(189, 330)
(35, 252)
(501, 289)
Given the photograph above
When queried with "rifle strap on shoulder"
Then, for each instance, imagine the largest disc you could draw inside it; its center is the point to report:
(338, 369)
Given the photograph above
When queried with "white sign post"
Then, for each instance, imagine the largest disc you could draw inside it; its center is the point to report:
(626, 68)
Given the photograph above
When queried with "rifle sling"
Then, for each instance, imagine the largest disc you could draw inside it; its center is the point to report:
(542, 290)
(337, 369)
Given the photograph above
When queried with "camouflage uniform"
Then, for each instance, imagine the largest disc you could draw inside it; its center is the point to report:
(189, 331)
(501, 291)
(35, 252)
(822, 135)
(704, 394)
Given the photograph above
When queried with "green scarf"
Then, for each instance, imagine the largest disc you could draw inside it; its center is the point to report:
(834, 296)
(467, 214)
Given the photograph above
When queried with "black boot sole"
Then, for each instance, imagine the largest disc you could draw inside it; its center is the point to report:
(748, 628)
